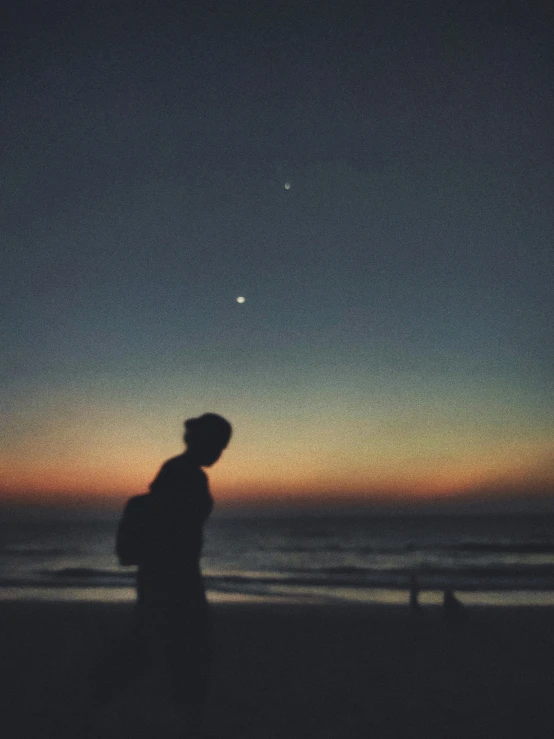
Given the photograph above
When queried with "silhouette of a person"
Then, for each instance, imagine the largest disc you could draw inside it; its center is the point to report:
(415, 606)
(172, 618)
(453, 610)
(171, 598)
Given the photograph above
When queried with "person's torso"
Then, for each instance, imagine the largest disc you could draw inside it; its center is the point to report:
(179, 506)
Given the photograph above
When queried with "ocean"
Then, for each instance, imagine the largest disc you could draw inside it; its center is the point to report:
(342, 558)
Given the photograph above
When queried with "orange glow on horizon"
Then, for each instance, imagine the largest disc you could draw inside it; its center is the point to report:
(358, 459)
(87, 485)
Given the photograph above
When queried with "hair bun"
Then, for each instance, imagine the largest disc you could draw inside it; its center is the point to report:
(209, 426)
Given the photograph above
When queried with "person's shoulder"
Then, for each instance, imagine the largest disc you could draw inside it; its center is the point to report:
(181, 466)
(137, 501)
(177, 461)
(168, 471)
(182, 462)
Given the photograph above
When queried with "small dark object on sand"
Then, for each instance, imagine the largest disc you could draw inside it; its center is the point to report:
(415, 606)
(453, 611)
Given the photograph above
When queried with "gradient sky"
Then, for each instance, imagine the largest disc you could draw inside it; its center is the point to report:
(396, 341)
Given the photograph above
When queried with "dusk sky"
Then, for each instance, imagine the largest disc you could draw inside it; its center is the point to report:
(374, 178)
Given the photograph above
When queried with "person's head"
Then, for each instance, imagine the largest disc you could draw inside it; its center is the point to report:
(206, 437)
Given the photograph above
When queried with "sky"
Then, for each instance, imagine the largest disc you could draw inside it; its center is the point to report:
(375, 179)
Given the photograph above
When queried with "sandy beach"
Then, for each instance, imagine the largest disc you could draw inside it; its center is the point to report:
(297, 672)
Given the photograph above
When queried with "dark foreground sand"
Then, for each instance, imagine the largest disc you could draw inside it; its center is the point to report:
(298, 672)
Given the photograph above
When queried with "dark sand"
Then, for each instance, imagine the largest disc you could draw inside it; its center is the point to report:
(298, 672)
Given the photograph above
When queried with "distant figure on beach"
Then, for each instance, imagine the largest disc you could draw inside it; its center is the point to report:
(162, 532)
(415, 607)
(453, 610)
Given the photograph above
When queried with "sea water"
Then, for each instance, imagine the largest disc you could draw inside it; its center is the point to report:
(322, 558)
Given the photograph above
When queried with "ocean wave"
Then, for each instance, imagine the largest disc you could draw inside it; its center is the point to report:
(356, 578)
(19, 551)
(348, 574)
(414, 547)
(507, 547)
(475, 579)
(426, 569)
(88, 572)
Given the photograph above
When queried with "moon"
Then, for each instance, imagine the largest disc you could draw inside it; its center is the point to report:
(287, 185)
(241, 299)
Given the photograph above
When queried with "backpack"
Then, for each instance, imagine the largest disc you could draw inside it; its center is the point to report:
(130, 540)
